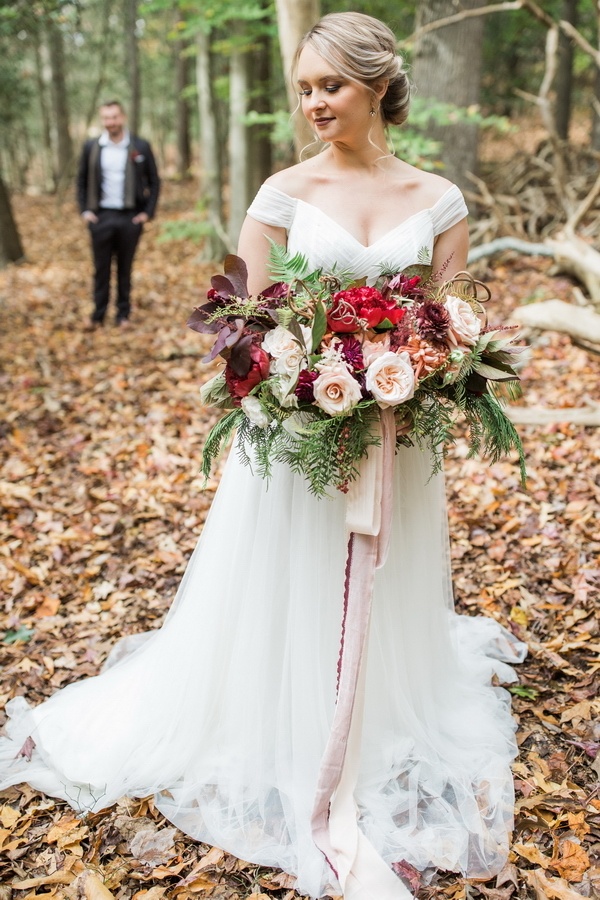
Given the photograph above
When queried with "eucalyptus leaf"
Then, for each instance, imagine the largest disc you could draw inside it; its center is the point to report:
(319, 326)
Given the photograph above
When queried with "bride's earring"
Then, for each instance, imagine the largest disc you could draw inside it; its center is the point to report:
(372, 111)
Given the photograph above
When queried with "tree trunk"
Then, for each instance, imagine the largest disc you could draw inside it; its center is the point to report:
(64, 144)
(596, 109)
(295, 18)
(564, 79)
(260, 148)
(182, 79)
(100, 67)
(11, 248)
(133, 64)
(447, 67)
(47, 163)
(238, 150)
(210, 151)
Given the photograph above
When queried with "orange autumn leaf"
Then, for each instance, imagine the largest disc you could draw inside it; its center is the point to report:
(573, 861)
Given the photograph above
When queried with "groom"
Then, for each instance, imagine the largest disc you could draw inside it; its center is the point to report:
(117, 191)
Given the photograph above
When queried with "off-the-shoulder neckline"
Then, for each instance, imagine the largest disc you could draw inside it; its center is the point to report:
(428, 210)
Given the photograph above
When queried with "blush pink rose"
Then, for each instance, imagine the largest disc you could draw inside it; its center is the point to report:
(336, 392)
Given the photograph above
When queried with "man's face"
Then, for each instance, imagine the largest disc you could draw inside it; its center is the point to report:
(113, 120)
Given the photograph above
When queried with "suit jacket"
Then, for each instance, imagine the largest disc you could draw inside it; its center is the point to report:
(142, 183)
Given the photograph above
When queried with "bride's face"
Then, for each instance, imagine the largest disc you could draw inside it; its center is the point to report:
(336, 108)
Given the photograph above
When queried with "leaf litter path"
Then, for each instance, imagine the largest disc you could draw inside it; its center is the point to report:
(102, 504)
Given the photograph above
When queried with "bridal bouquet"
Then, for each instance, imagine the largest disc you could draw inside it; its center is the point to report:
(311, 360)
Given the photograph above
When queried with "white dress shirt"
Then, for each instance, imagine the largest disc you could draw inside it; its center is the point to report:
(113, 160)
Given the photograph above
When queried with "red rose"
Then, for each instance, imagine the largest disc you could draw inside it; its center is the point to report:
(365, 303)
(259, 370)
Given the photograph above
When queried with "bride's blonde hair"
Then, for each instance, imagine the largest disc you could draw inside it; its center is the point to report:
(362, 49)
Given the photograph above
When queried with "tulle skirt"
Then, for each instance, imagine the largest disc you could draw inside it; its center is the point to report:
(224, 712)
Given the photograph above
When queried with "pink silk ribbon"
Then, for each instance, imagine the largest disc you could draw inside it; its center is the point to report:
(360, 870)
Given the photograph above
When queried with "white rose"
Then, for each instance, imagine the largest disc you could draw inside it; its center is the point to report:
(464, 322)
(391, 379)
(336, 391)
(255, 412)
(290, 361)
(280, 340)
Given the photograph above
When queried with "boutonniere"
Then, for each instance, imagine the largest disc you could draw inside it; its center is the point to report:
(136, 156)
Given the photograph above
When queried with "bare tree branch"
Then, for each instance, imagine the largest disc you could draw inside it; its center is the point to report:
(583, 208)
(500, 245)
(579, 39)
(509, 6)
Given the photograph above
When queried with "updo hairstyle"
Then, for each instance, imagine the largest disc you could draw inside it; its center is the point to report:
(363, 50)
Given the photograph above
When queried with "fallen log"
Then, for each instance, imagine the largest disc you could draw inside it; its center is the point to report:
(540, 415)
(579, 322)
(499, 245)
(576, 257)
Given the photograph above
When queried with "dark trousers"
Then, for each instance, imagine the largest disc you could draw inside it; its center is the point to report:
(114, 236)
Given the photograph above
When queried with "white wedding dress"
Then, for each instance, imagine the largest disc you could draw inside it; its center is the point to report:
(224, 712)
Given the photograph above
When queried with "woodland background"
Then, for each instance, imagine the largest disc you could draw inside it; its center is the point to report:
(101, 435)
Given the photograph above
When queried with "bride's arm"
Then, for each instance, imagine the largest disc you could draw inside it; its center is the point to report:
(254, 247)
(451, 247)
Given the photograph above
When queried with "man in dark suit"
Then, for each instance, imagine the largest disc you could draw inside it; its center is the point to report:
(117, 191)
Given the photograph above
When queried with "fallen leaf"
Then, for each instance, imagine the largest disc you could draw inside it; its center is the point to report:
(153, 847)
(277, 881)
(548, 888)
(92, 887)
(533, 854)
(578, 824)
(9, 816)
(404, 870)
(573, 861)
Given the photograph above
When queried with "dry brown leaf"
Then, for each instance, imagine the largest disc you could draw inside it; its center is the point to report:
(210, 859)
(199, 885)
(578, 824)
(92, 887)
(153, 893)
(9, 816)
(61, 829)
(277, 881)
(548, 888)
(153, 847)
(533, 854)
(573, 861)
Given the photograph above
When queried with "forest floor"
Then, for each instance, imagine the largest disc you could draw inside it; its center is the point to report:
(102, 502)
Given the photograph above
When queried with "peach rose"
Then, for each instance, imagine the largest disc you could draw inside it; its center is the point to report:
(372, 350)
(390, 379)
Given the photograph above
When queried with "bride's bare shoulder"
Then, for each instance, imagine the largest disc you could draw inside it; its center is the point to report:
(296, 180)
(429, 186)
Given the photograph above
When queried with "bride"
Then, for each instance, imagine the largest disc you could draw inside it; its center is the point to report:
(225, 713)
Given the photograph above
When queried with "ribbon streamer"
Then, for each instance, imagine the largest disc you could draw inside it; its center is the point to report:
(360, 870)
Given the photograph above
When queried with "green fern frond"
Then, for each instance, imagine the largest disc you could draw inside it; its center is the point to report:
(284, 267)
(217, 438)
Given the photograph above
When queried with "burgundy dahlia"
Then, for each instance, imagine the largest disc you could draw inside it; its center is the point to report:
(304, 387)
(432, 320)
(352, 352)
